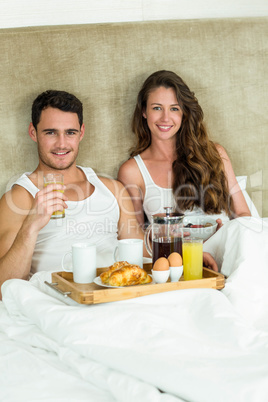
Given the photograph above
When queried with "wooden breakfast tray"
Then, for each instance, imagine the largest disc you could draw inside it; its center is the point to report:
(94, 294)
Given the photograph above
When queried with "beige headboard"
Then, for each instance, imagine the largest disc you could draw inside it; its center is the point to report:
(224, 61)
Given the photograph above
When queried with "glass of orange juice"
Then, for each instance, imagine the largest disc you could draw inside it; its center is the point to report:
(192, 253)
(55, 178)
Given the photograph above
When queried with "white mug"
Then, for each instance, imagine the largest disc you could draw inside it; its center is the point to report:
(84, 262)
(130, 250)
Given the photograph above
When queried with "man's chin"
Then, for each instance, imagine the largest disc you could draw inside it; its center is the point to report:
(59, 166)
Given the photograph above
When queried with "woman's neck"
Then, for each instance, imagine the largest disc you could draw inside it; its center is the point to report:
(161, 150)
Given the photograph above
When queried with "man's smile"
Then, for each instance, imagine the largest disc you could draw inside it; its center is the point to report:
(62, 153)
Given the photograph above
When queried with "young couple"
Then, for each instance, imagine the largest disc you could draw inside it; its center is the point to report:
(173, 152)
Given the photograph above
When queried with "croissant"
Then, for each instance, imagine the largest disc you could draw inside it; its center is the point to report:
(106, 275)
(125, 274)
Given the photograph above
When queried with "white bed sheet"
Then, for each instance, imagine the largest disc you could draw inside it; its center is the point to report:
(194, 345)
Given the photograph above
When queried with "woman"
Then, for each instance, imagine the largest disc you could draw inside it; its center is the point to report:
(174, 163)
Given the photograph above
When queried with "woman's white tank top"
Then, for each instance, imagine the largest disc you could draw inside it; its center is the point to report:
(156, 198)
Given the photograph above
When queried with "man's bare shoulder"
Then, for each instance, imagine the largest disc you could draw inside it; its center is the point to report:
(16, 202)
(14, 208)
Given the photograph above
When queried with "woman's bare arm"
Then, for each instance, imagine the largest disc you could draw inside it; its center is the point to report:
(129, 175)
(240, 207)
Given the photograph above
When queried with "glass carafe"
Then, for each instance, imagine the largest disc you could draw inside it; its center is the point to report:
(164, 235)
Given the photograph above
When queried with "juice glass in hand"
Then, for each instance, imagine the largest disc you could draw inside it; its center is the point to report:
(55, 178)
(192, 252)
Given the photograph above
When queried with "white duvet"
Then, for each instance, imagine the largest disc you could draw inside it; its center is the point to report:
(193, 345)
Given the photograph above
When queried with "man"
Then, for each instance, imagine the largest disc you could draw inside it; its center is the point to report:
(97, 209)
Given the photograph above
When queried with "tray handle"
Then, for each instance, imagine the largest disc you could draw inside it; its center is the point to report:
(53, 286)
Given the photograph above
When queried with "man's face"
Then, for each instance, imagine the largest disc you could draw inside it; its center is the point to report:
(57, 136)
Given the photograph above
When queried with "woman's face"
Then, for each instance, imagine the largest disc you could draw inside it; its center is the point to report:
(163, 114)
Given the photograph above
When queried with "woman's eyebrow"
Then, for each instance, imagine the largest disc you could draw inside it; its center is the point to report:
(160, 104)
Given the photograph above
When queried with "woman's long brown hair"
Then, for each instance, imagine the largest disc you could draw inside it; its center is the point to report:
(199, 177)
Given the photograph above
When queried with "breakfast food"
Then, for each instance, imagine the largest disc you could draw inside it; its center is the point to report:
(191, 225)
(106, 275)
(175, 260)
(124, 274)
(161, 264)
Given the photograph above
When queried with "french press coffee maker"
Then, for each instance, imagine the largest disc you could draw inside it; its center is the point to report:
(164, 235)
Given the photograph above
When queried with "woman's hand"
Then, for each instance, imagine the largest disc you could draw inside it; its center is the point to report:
(220, 224)
(209, 262)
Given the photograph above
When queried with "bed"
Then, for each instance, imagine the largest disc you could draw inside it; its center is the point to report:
(182, 345)
(185, 345)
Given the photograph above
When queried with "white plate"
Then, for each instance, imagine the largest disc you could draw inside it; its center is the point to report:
(99, 282)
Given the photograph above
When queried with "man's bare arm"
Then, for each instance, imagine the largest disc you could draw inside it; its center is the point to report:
(16, 240)
(21, 219)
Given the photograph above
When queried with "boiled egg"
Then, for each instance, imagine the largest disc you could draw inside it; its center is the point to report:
(161, 264)
(174, 260)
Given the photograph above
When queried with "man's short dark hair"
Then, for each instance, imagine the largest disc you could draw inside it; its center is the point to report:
(59, 100)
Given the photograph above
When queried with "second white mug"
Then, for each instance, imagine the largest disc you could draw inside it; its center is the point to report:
(130, 250)
(84, 262)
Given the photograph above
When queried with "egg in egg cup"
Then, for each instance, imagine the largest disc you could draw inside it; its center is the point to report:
(160, 276)
(161, 271)
(176, 273)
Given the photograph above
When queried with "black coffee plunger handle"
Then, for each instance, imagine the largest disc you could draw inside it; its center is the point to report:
(168, 210)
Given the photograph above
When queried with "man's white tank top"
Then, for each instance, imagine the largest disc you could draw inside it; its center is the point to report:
(93, 220)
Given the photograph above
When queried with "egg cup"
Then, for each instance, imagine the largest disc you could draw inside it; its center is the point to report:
(176, 273)
(160, 276)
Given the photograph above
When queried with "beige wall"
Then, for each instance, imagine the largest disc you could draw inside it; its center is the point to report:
(23, 13)
(223, 61)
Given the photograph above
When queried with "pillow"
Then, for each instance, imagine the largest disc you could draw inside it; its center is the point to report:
(242, 181)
